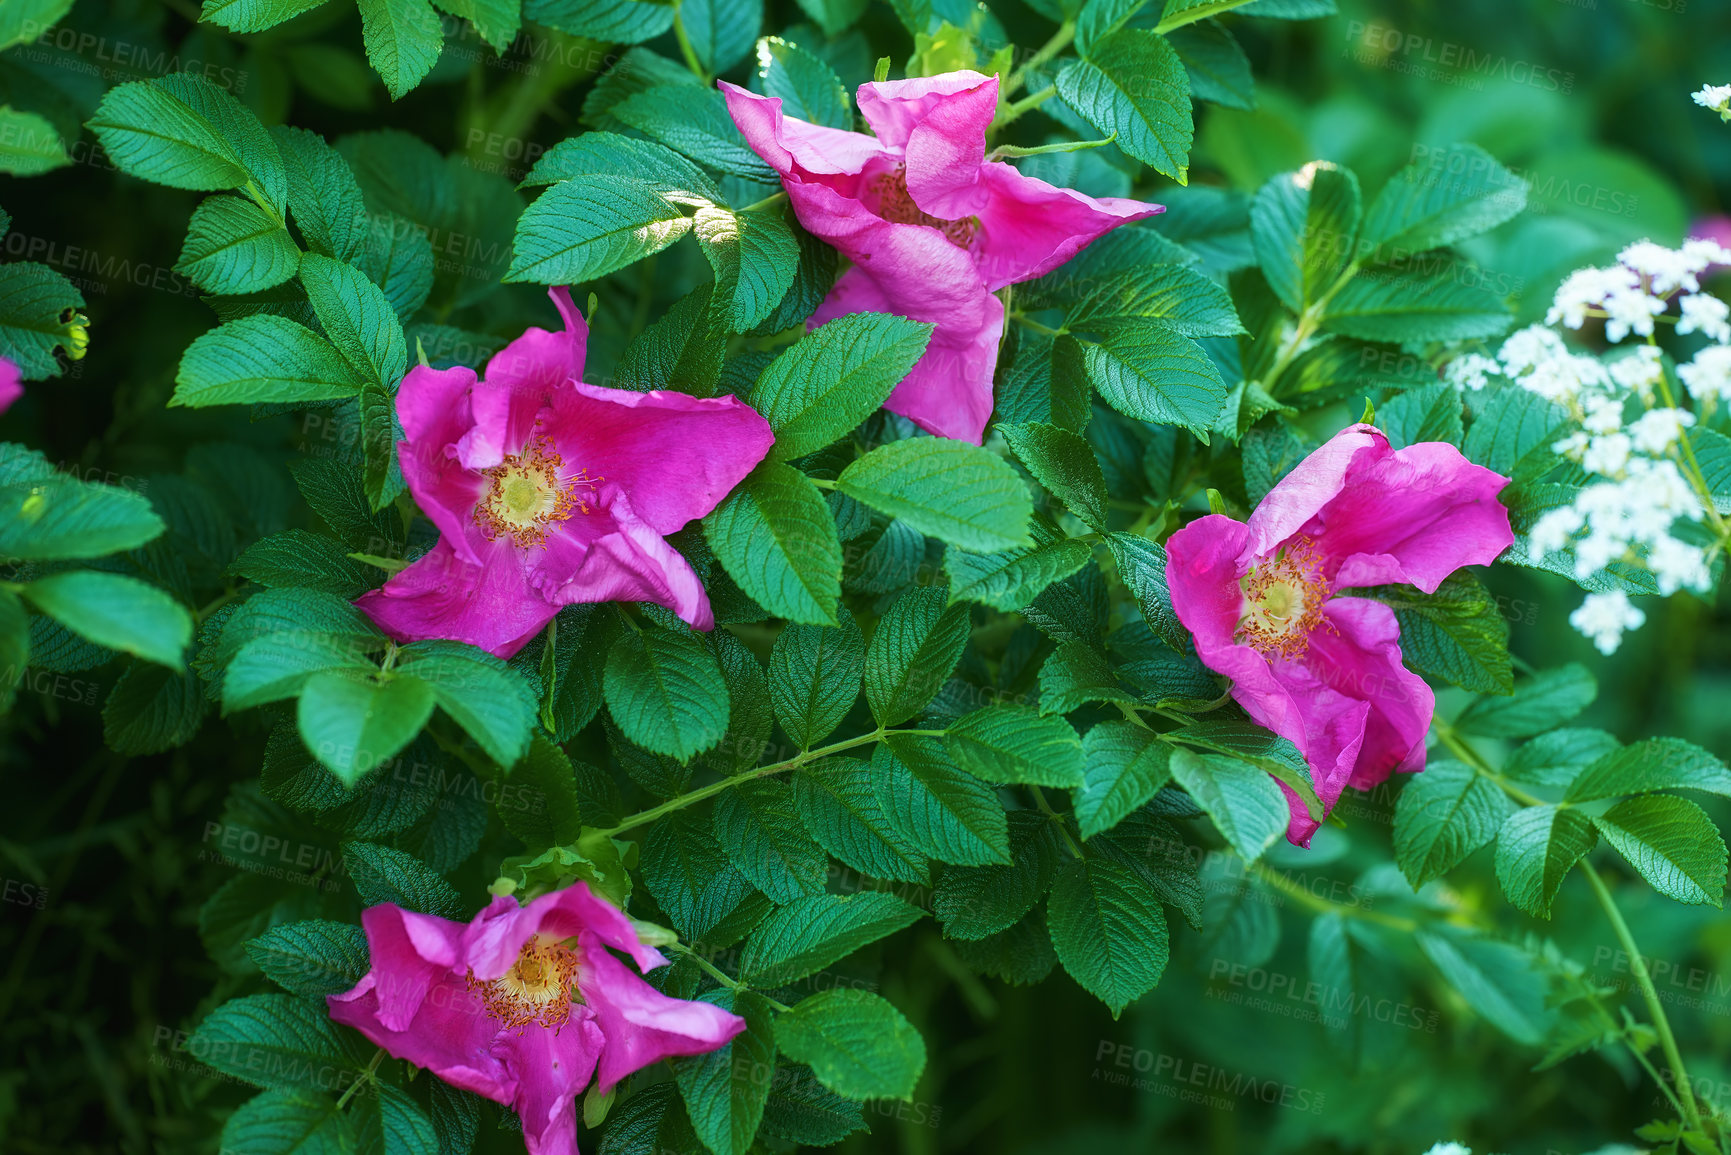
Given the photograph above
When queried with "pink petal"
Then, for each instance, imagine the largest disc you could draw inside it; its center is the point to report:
(640, 1024)
(434, 406)
(550, 1068)
(1028, 227)
(676, 456)
(10, 384)
(519, 381)
(493, 941)
(895, 108)
(492, 605)
(410, 951)
(1363, 658)
(796, 148)
(949, 391)
(1413, 516)
(1312, 484)
(450, 1035)
(945, 148)
(610, 555)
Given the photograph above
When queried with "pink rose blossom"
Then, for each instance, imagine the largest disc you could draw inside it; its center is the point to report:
(547, 491)
(1260, 598)
(11, 387)
(932, 226)
(489, 1006)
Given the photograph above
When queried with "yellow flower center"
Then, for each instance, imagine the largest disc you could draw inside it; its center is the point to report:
(897, 206)
(528, 494)
(537, 988)
(1283, 600)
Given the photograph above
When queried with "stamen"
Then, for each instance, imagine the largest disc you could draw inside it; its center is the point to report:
(1283, 600)
(527, 495)
(897, 206)
(536, 990)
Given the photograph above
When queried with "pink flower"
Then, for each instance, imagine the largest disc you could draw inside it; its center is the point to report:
(11, 387)
(547, 491)
(1324, 671)
(488, 1006)
(931, 225)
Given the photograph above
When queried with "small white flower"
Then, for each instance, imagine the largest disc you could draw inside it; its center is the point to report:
(1603, 415)
(1449, 1149)
(1657, 430)
(1716, 97)
(1603, 618)
(1709, 374)
(1678, 565)
(1639, 371)
(1554, 529)
(1706, 314)
(1574, 446)
(1607, 455)
(1705, 251)
(1528, 348)
(1667, 270)
(1630, 311)
(1471, 371)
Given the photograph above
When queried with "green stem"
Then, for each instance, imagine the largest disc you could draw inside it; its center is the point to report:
(772, 198)
(1028, 322)
(691, 797)
(1291, 889)
(1058, 819)
(1011, 111)
(1471, 757)
(1201, 12)
(1638, 966)
(1059, 41)
(365, 1076)
(1016, 150)
(685, 46)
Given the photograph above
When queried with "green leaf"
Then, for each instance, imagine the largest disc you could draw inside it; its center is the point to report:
(1010, 579)
(946, 813)
(151, 709)
(1448, 195)
(1148, 371)
(1657, 764)
(1672, 843)
(183, 131)
(234, 246)
(277, 1041)
(814, 677)
(974, 902)
(1132, 85)
(118, 612)
(774, 535)
(403, 39)
(759, 830)
(693, 882)
(754, 256)
(725, 1089)
(597, 154)
(695, 122)
(1064, 463)
(1216, 65)
(483, 695)
(810, 933)
(383, 874)
(25, 20)
(586, 227)
(666, 691)
(1541, 703)
(277, 666)
(821, 387)
(1512, 433)
(1108, 929)
(1245, 804)
(1005, 743)
(1496, 979)
(254, 15)
(29, 145)
(390, 1121)
(1432, 413)
(304, 560)
(1142, 568)
(1075, 675)
(359, 320)
(314, 957)
(955, 492)
(1442, 816)
(262, 359)
(610, 21)
(288, 1122)
(1458, 633)
(1129, 290)
(806, 86)
(1125, 765)
(39, 314)
(1272, 753)
(839, 805)
(916, 644)
(856, 1042)
(1426, 299)
(1536, 848)
(14, 646)
(1558, 757)
(1303, 225)
(683, 350)
(353, 722)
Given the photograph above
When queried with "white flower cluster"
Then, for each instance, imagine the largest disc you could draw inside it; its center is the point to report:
(1629, 433)
(1716, 97)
